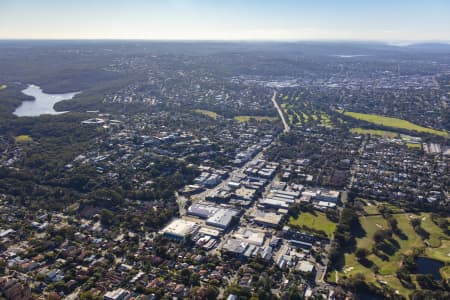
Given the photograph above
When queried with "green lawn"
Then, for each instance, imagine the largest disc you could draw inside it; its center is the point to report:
(319, 221)
(436, 234)
(370, 225)
(325, 120)
(387, 268)
(305, 117)
(414, 146)
(299, 121)
(441, 253)
(371, 207)
(207, 113)
(23, 139)
(382, 133)
(393, 122)
(243, 119)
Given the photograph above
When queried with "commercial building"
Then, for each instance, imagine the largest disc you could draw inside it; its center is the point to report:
(251, 236)
(300, 244)
(222, 218)
(192, 189)
(269, 219)
(205, 231)
(328, 196)
(306, 267)
(245, 193)
(235, 246)
(286, 194)
(272, 203)
(179, 229)
(202, 210)
(323, 205)
(221, 195)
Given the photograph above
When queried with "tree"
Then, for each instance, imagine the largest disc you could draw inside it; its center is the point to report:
(106, 217)
(381, 234)
(393, 223)
(88, 295)
(361, 253)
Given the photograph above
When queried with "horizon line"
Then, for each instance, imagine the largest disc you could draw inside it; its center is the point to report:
(402, 41)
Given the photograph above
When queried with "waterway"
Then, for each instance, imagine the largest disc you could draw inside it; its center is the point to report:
(42, 104)
(429, 266)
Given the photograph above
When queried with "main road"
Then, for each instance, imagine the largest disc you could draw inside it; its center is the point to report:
(280, 112)
(181, 200)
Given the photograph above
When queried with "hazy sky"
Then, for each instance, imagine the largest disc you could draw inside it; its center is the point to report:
(384, 20)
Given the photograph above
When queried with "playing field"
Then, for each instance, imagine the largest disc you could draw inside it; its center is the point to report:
(393, 122)
(319, 221)
(207, 113)
(23, 139)
(414, 146)
(243, 119)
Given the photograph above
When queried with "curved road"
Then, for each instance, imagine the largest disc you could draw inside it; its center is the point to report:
(280, 112)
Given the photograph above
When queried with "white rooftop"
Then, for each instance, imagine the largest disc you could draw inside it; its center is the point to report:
(179, 227)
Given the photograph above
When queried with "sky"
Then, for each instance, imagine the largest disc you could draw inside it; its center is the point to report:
(280, 20)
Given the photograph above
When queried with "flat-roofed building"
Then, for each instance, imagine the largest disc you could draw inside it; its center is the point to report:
(266, 173)
(300, 244)
(269, 219)
(287, 200)
(235, 246)
(272, 203)
(251, 236)
(222, 218)
(288, 194)
(306, 267)
(202, 210)
(324, 205)
(179, 229)
(245, 193)
(329, 196)
(209, 231)
(234, 184)
(192, 189)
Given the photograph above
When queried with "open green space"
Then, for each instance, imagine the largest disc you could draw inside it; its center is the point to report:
(374, 207)
(243, 119)
(371, 224)
(207, 113)
(414, 146)
(325, 120)
(3, 87)
(23, 139)
(316, 221)
(305, 117)
(436, 246)
(299, 120)
(382, 133)
(393, 122)
(441, 253)
(371, 209)
(437, 238)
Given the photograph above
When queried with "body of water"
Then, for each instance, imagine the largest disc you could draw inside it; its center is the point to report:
(429, 266)
(42, 104)
(349, 55)
(366, 295)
